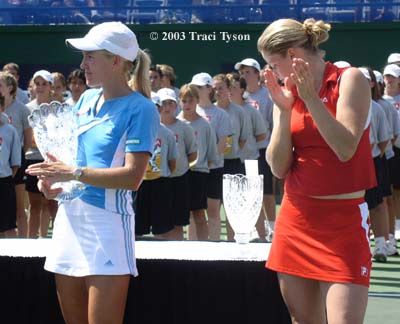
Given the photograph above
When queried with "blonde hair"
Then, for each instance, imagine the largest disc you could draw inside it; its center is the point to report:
(189, 91)
(10, 80)
(61, 77)
(283, 34)
(139, 78)
(223, 78)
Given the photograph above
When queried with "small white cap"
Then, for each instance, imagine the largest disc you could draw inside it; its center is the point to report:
(155, 98)
(378, 76)
(365, 72)
(202, 79)
(342, 64)
(166, 94)
(392, 69)
(393, 58)
(248, 62)
(44, 74)
(113, 36)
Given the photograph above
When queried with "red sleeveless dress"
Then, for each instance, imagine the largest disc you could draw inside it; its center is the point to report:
(323, 239)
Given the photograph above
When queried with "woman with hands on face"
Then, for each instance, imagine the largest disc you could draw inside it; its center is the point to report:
(320, 145)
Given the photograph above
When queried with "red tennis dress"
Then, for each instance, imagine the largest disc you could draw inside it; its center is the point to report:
(323, 239)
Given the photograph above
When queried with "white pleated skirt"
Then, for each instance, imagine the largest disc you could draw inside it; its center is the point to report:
(88, 240)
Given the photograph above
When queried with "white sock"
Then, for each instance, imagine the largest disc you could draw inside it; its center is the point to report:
(380, 241)
(397, 224)
(271, 225)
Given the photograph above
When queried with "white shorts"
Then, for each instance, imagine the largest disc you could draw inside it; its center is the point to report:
(88, 240)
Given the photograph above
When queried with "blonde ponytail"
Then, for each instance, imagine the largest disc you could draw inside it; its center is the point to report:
(317, 31)
(140, 80)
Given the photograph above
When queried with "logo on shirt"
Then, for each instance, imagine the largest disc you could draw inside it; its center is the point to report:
(324, 99)
(133, 141)
(254, 104)
(364, 272)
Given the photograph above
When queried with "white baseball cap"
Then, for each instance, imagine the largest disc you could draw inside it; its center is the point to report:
(113, 36)
(166, 94)
(393, 58)
(202, 79)
(155, 98)
(248, 62)
(342, 64)
(365, 72)
(44, 74)
(392, 69)
(378, 76)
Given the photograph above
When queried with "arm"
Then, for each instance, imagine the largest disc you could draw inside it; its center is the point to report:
(192, 157)
(14, 170)
(261, 137)
(221, 145)
(128, 176)
(28, 138)
(172, 165)
(344, 132)
(382, 147)
(280, 149)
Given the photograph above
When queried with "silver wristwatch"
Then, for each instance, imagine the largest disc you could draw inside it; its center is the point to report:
(77, 173)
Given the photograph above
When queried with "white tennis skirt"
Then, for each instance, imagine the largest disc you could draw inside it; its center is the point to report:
(88, 240)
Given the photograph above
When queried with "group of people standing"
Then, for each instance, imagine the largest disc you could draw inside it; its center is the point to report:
(313, 124)
(218, 123)
(16, 106)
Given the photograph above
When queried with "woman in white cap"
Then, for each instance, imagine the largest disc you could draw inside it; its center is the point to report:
(220, 122)
(93, 240)
(40, 209)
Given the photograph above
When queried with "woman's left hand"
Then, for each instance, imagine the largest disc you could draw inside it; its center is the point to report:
(52, 170)
(304, 80)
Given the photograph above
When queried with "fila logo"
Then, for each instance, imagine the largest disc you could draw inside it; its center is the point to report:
(364, 272)
(324, 99)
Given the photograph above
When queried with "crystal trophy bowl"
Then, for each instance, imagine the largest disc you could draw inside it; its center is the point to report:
(55, 130)
(242, 196)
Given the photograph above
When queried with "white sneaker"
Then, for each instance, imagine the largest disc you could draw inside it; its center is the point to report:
(270, 236)
(380, 251)
(391, 247)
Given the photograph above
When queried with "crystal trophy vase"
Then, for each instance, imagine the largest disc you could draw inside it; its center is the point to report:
(243, 196)
(55, 130)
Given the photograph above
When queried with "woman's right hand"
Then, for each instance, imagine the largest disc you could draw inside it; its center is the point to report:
(45, 187)
(281, 96)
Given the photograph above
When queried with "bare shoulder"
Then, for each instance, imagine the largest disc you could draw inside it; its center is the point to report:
(353, 77)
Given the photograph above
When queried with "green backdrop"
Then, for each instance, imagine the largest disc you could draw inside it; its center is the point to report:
(191, 48)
